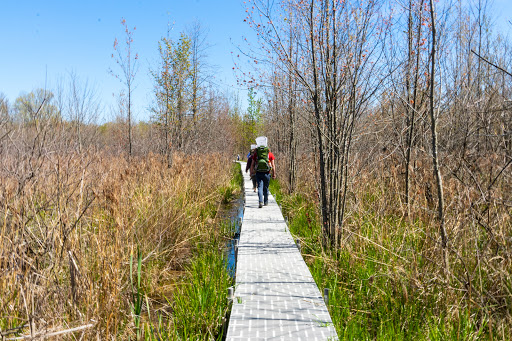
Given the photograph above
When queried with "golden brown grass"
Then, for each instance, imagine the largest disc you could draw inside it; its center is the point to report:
(69, 224)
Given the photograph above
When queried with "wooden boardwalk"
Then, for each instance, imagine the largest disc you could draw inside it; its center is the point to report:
(276, 297)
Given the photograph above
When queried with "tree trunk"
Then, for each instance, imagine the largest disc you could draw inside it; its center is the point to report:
(412, 105)
(319, 134)
(291, 112)
(129, 121)
(433, 128)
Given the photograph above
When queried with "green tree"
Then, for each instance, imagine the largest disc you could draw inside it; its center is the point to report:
(4, 116)
(35, 106)
(181, 68)
(4, 108)
(172, 83)
(252, 119)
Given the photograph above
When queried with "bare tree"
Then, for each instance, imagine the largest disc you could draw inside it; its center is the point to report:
(198, 65)
(4, 116)
(337, 58)
(127, 60)
(433, 128)
(412, 84)
(292, 108)
(83, 105)
(4, 108)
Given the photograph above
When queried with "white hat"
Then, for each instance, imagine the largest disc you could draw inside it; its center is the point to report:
(261, 141)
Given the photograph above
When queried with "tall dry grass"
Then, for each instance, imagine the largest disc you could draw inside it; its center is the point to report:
(70, 223)
(389, 278)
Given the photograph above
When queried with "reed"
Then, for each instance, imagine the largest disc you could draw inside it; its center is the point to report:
(94, 239)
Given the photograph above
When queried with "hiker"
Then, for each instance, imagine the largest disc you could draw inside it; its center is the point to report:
(263, 165)
(248, 167)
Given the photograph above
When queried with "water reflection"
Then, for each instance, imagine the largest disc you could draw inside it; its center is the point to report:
(236, 214)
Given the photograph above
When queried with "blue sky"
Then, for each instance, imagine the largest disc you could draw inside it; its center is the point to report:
(53, 38)
(45, 40)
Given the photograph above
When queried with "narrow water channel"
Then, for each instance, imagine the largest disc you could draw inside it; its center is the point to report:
(236, 215)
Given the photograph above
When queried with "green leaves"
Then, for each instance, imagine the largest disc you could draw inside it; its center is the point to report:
(137, 296)
(173, 78)
(251, 122)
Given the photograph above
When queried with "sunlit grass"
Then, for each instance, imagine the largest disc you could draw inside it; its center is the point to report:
(386, 280)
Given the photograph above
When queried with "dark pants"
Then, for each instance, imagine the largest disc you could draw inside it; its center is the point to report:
(263, 182)
(254, 181)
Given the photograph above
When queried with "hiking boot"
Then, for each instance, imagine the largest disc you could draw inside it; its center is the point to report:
(266, 203)
(261, 205)
(255, 190)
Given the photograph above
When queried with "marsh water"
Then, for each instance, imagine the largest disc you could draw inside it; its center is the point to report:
(235, 216)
